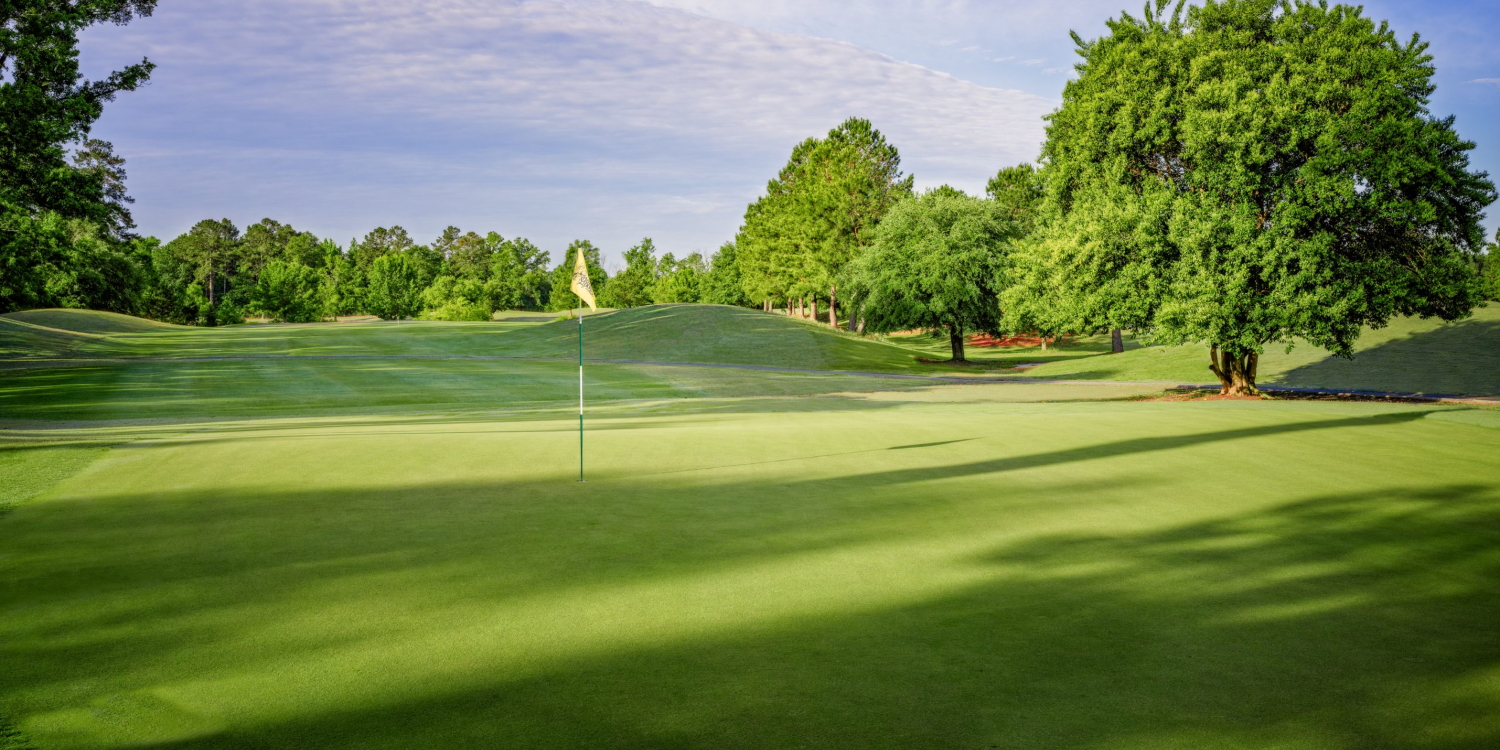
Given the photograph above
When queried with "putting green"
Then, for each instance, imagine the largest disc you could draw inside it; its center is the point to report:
(880, 571)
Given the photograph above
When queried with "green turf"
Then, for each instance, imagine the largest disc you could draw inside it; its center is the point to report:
(659, 333)
(394, 553)
(86, 321)
(1409, 356)
(836, 573)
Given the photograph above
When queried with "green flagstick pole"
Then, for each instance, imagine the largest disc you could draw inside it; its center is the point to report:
(580, 394)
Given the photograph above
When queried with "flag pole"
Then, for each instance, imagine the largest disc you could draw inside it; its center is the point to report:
(580, 394)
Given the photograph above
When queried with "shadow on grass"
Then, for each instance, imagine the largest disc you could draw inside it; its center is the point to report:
(1366, 620)
(1459, 359)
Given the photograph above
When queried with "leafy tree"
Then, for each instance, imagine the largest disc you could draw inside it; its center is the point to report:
(819, 213)
(452, 298)
(518, 277)
(207, 255)
(563, 298)
(472, 256)
(72, 263)
(287, 292)
(45, 105)
(1252, 172)
(722, 284)
(264, 242)
(427, 261)
(395, 290)
(1489, 269)
(447, 241)
(632, 287)
(46, 256)
(378, 243)
(681, 280)
(97, 158)
(938, 261)
(1019, 189)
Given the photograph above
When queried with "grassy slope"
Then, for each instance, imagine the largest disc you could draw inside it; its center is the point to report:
(1409, 356)
(816, 573)
(671, 333)
(87, 321)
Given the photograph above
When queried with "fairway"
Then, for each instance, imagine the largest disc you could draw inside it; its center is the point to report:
(395, 553)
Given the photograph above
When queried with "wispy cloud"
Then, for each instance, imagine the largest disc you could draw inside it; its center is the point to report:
(1495, 81)
(625, 118)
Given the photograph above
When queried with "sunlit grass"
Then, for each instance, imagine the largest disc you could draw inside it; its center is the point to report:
(834, 572)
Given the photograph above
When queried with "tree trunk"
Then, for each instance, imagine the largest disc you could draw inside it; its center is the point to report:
(1116, 342)
(789, 307)
(833, 309)
(1236, 372)
(800, 309)
(956, 340)
(813, 310)
(1044, 342)
(861, 329)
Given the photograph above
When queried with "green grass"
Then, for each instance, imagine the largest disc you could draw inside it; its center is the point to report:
(834, 572)
(660, 333)
(1409, 356)
(394, 553)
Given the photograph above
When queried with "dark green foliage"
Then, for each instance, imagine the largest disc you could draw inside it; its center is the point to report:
(45, 105)
(207, 256)
(938, 262)
(519, 277)
(680, 280)
(378, 243)
(1489, 270)
(722, 284)
(819, 213)
(287, 292)
(395, 289)
(63, 222)
(1020, 190)
(561, 297)
(452, 298)
(632, 287)
(1248, 173)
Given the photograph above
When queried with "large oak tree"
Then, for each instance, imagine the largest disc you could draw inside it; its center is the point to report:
(1249, 173)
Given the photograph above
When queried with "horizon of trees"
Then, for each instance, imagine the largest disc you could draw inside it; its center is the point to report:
(1240, 174)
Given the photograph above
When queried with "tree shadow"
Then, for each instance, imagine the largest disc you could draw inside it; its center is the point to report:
(1367, 620)
(1454, 359)
(1360, 619)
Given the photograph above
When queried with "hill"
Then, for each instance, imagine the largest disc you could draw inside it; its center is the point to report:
(1409, 356)
(87, 321)
(710, 334)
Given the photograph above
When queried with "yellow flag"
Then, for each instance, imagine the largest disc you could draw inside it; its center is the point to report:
(581, 285)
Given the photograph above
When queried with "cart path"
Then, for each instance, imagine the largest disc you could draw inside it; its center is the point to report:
(19, 364)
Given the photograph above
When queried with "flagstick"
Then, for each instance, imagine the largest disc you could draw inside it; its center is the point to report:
(580, 394)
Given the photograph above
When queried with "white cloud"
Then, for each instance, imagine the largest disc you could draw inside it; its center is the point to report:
(1495, 81)
(601, 118)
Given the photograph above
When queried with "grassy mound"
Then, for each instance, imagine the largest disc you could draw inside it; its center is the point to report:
(87, 321)
(710, 334)
(1409, 356)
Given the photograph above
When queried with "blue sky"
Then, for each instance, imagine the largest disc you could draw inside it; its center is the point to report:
(608, 120)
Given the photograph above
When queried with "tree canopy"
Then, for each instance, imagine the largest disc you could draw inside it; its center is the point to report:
(819, 213)
(1252, 172)
(938, 261)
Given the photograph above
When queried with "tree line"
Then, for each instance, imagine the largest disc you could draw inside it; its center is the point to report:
(1240, 174)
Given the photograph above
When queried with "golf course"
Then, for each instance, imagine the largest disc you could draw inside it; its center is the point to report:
(371, 535)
